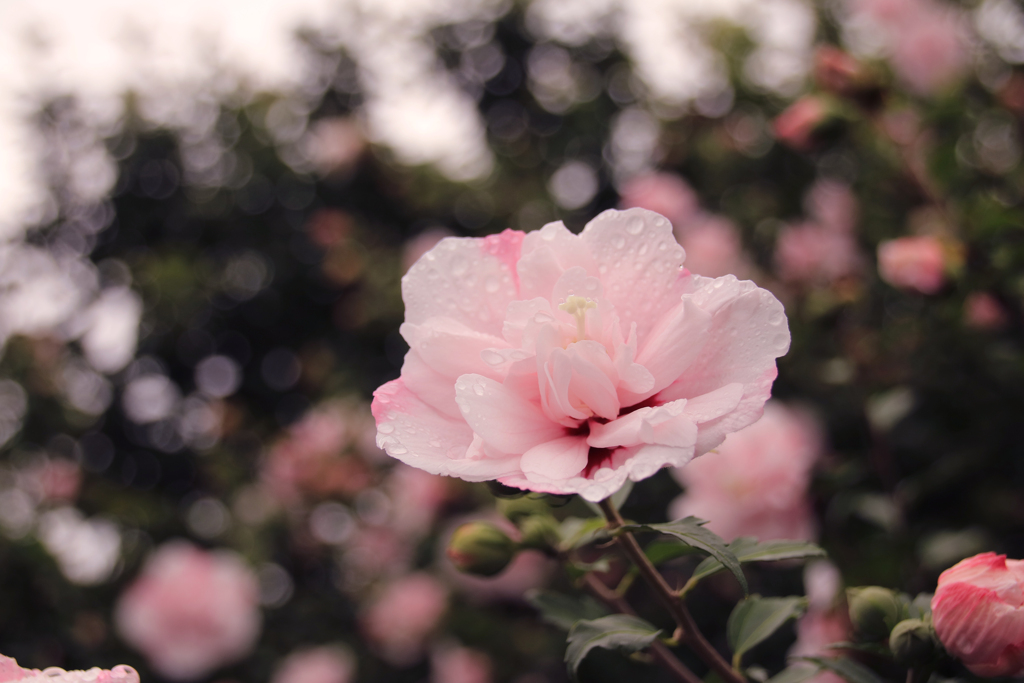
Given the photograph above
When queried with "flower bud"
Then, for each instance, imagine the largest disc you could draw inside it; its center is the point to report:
(873, 611)
(540, 532)
(912, 642)
(481, 548)
(518, 509)
(805, 121)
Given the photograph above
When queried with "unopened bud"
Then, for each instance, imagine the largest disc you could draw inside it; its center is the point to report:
(540, 532)
(481, 548)
(912, 642)
(873, 611)
(518, 509)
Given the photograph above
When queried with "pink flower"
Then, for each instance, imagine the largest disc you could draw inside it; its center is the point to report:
(190, 611)
(10, 671)
(400, 619)
(664, 193)
(460, 665)
(327, 664)
(978, 612)
(983, 311)
(815, 632)
(567, 364)
(713, 248)
(756, 482)
(809, 253)
(796, 126)
(421, 244)
(416, 497)
(916, 262)
(313, 459)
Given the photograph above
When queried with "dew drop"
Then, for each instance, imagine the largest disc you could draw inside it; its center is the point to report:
(398, 449)
(543, 318)
(642, 250)
(602, 268)
(478, 389)
(386, 428)
(434, 443)
(491, 357)
(459, 266)
(433, 274)
(635, 226)
(618, 242)
(491, 286)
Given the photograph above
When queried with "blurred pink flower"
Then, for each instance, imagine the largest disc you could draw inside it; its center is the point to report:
(916, 262)
(190, 611)
(983, 311)
(313, 458)
(927, 42)
(530, 354)
(421, 244)
(460, 665)
(51, 480)
(756, 483)
(416, 497)
(823, 249)
(810, 253)
(10, 671)
(401, 618)
(796, 125)
(326, 664)
(334, 145)
(978, 612)
(714, 248)
(664, 193)
(374, 553)
(815, 631)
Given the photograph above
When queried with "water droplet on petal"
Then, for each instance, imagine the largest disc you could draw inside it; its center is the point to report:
(618, 242)
(398, 449)
(434, 443)
(602, 268)
(491, 357)
(386, 428)
(635, 226)
(491, 286)
(478, 389)
(543, 318)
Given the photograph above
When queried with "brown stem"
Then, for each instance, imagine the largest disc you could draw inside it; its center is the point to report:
(690, 635)
(661, 653)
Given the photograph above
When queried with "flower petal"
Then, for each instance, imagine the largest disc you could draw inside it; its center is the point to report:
(640, 264)
(469, 280)
(555, 460)
(433, 388)
(546, 254)
(415, 433)
(505, 421)
(451, 348)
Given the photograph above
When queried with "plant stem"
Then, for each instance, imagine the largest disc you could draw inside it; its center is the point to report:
(690, 634)
(661, 653)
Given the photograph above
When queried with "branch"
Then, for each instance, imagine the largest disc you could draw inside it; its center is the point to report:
(689, 633)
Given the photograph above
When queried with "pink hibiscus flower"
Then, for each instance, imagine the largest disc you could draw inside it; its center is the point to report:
(568, 363)
(10, 672)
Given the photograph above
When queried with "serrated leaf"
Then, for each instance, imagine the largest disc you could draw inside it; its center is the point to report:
(691, 532)
(618, 631)
(797, 673)
(747, 549)
(562, 610)
(851, 671)
(755, 618)
(576, 532)
(660, 552)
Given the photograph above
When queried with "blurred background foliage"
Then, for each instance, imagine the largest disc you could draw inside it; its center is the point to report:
(173, 338)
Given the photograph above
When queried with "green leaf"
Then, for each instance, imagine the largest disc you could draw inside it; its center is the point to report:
(797, 673)
(618, 631)
(747, 549)
(563, 610)
(691, 532)
(852, 671)
(660, 552)
(576, 532)
(755, 618)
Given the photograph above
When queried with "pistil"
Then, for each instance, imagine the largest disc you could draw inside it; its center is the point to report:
(577, 306)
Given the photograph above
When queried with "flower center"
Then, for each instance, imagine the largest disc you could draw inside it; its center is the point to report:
(577, 307)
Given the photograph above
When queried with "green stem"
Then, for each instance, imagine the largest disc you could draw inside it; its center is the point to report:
(661, 653)
(690, 634)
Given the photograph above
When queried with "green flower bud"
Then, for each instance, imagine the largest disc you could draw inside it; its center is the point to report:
(481, 548)
(873, 611)
(540, 532)
(517, 509)
(913, 642)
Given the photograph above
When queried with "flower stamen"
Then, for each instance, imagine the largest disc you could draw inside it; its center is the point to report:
(577, 306)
